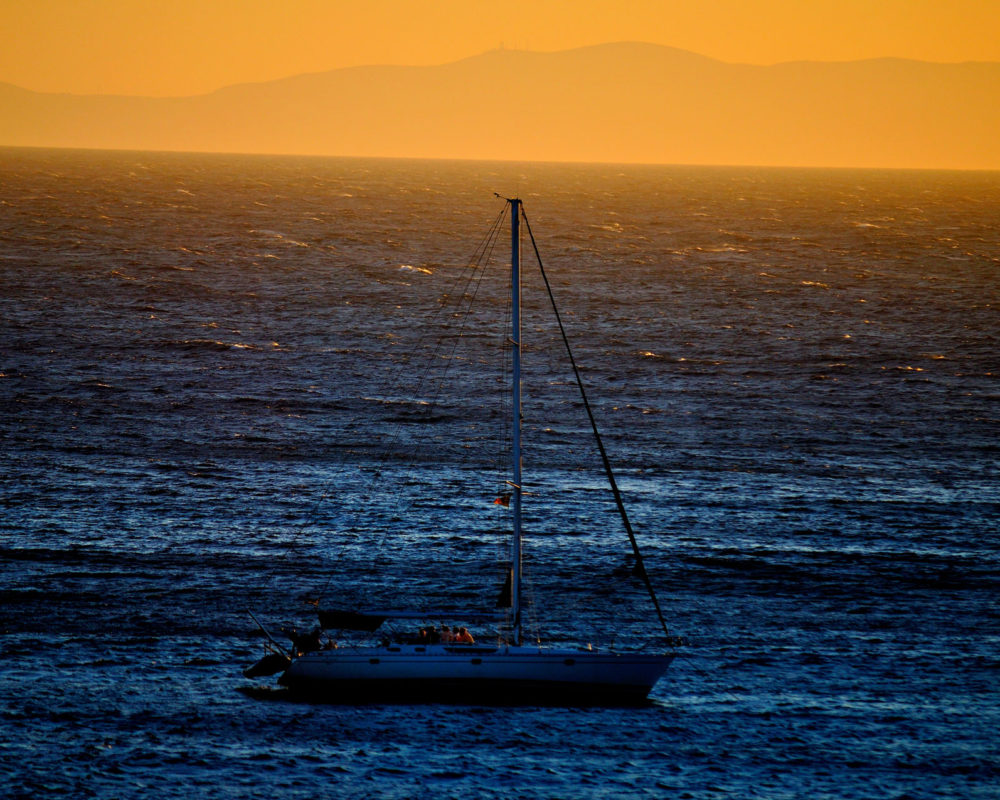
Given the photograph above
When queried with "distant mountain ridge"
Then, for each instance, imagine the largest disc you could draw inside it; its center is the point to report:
(624, 102)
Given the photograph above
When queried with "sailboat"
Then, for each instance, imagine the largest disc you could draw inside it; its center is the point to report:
(505, 671)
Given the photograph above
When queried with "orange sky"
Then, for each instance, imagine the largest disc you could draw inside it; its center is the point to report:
(182, 47)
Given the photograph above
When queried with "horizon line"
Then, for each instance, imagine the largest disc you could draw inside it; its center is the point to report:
(680, 164)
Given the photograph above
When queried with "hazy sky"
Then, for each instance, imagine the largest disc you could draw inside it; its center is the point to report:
(182, 47)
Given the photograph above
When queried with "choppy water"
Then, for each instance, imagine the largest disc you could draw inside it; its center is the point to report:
(796, 372)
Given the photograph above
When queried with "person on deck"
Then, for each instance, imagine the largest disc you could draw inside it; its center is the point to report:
(464, 637)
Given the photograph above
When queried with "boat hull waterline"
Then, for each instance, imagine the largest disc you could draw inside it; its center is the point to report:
(499, 675)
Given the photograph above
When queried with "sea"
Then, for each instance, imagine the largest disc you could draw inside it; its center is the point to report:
(235, 384)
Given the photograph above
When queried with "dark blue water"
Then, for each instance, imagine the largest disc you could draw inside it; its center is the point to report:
(219, 390)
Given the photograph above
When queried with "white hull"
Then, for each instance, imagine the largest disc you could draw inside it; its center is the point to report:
(475, 673)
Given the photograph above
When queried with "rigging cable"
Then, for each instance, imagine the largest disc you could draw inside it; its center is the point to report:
(459, 304)
(640, 566)
(450, 301)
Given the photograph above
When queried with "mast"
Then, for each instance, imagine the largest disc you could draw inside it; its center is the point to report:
(515, 336)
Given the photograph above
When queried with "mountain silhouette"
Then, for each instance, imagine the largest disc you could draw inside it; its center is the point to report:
(624, 102)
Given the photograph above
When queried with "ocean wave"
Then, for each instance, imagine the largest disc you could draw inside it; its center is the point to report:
(817, 512)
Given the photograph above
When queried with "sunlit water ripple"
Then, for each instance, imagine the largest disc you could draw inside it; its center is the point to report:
(796, 373)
